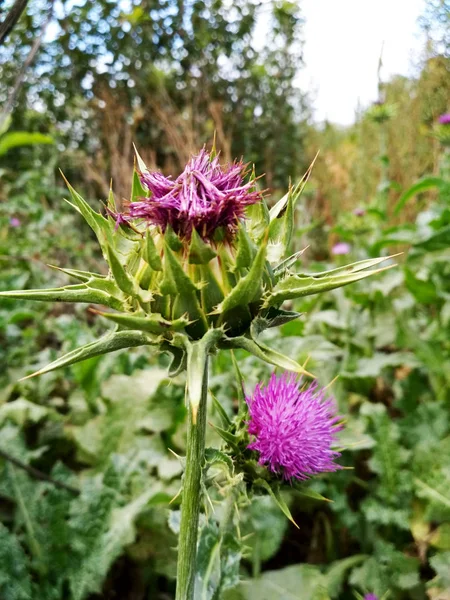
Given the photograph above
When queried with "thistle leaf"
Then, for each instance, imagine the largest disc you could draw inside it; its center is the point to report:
(84, 276)
(257, 220)
(151, 254)
(199, 252)
(152, 323)
(280, 269)
(355, 267)
(69, 293)
(240, 385)
(121, 277)
(276, 495)
(137, 190)
(247, 288)
(264, 353)
(100, 226)
(175, 279)
(220, 409)
(141, 164)
(280, 232)
(109, 343)
(294, 192)
(245, 249)
(179, 359)
(297, 286)
(172, 240)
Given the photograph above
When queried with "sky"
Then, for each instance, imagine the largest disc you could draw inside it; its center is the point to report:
(343, 41)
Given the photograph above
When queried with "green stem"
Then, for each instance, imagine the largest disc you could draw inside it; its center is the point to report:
(190, 507)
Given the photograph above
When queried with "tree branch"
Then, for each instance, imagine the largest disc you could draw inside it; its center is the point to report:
(11, 19)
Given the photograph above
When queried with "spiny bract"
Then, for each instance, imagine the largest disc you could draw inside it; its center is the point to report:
(200, 257)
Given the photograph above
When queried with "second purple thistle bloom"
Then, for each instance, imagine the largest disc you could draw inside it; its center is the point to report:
(205, 196)
(294, 426)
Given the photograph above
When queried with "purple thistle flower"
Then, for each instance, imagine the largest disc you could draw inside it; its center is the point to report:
(444, 119)
(359, 212)
(370, 597)
(294, 427)
(14, 222)
(205, 196)
(341, 248)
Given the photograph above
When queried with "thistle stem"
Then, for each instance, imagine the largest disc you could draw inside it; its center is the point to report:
(190, 507)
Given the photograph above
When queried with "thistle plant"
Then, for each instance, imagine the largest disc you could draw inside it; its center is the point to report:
(197, 264)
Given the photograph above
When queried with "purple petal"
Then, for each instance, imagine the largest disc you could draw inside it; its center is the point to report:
(294, 427)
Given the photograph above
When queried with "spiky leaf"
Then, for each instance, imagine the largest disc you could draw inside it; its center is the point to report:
(109, 343)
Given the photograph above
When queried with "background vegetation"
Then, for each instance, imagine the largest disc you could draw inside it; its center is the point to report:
(79, 83)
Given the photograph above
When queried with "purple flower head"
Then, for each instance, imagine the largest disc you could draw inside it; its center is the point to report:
(341, 248)
(294, 427)
(444, 119)
(359, 212)
(370, 597)
(14, 222)
(205, 196)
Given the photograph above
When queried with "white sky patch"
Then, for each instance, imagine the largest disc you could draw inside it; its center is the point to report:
(343, 41)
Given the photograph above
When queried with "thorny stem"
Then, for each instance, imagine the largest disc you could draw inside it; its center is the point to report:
(190, 507)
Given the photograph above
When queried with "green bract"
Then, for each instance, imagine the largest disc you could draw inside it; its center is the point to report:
(168, 292)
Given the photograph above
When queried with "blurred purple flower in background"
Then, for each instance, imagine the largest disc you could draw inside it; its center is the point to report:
(359, 212)
(205, 196)
(14, 222)
(341, 248)
(294, 427)
(444, 119)
(370, 597)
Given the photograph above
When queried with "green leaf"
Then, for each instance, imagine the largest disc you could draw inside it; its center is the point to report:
(297, 582)
(22, 411)
(117, 531)
(248, 286)
(101, 227)
(297, 286)
(84, 276)
(424, 290)
(69, 293)
(425, 184)
(121, 277)
(337, 572)
(285, 264)
(200, 253)
(264, 353)
(226, 422)
(15, 580)
(245, 249)
(136, 409)
(141, 164)
(137, 190)
(177, 283)
(22, 138)
(427, 491)
(109, 343)
(151, 254)
(280, 232)
(217, 564)
(276, 495)
(257, 220)
(151, 323)
(214, 457)
(239, 385)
